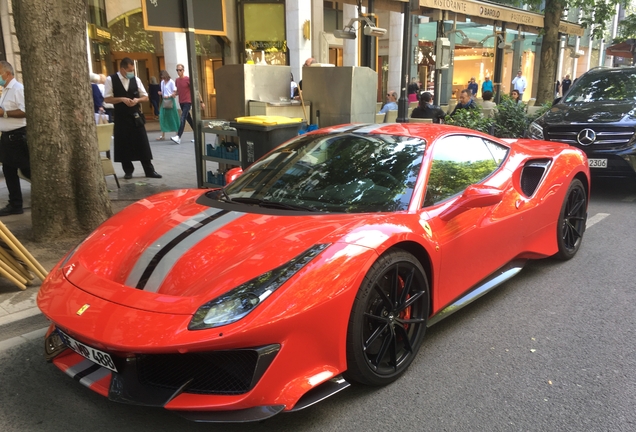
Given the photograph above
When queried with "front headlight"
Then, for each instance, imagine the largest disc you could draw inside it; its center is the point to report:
(235, 304)
(536, 131)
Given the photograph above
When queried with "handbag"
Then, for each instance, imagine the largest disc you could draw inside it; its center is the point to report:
(167, 103)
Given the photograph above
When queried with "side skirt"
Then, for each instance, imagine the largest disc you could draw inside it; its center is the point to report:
(492, 281)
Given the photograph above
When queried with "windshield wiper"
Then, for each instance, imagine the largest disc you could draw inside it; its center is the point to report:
(226, 197)
(273, 204)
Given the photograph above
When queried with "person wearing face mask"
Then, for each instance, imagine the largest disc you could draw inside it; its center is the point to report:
(14, 153)
(125, 91)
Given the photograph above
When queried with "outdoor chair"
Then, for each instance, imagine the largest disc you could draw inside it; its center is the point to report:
(391, 116)
(104, 134)
(379, 118)
(420, 120)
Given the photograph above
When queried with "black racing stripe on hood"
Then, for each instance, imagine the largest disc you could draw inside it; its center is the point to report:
(152, 265)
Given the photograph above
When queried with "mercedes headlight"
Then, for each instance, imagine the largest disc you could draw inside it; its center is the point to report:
(535, 131)
(238, 302)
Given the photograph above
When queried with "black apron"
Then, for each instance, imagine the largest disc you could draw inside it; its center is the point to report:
(131, 140)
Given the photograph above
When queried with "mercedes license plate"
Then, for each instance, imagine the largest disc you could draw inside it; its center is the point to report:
(597, 163)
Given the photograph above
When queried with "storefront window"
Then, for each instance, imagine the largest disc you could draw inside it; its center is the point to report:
(264, 32)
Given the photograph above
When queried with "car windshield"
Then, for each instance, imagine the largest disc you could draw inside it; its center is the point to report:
(345, 172)
(611, 85)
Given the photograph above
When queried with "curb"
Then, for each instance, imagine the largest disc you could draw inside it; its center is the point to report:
(17, 316)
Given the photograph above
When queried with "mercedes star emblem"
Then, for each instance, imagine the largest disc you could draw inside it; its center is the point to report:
(586, 137)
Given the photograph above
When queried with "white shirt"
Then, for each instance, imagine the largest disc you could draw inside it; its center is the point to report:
(519, 84)
(167, 89)
(12, 99)
(108, 87)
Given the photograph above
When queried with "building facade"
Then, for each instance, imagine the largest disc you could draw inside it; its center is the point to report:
(483, 37)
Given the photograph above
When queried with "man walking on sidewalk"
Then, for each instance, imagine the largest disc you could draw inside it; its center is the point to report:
(185, 101)
(14, 153)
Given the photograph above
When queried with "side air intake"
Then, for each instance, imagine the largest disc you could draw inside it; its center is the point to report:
(532, 175)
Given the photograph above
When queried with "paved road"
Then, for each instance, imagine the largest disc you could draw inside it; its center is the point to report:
(551, 350)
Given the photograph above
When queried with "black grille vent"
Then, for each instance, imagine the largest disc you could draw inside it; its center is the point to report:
(532, 174)
(218, 372)
(607, 137)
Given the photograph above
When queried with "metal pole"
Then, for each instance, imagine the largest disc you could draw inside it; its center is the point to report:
(188, 13)
(499, 58)
(403, 102)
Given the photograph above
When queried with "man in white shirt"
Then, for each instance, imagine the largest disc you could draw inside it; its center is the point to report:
(391, 102)
(125, 91)
(14, 153)
(519, 83)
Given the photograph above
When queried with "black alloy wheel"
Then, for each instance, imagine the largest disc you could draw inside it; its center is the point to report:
(388, 319)
(572, 219)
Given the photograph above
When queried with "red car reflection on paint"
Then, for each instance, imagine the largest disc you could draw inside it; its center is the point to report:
(322, 264)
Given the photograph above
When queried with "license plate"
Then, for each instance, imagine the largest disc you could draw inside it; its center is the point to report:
(96, 356)
(597, 163)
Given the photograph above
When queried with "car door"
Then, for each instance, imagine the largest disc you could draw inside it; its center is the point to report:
(475, 238)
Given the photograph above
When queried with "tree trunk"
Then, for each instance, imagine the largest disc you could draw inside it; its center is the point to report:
(68, 193)
(549, 51)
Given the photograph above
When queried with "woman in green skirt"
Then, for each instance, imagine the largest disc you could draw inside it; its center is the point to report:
(168, 113)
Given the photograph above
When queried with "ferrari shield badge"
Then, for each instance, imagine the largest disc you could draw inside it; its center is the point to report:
(83, 309)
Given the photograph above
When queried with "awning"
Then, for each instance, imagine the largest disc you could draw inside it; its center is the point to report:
(624, 49)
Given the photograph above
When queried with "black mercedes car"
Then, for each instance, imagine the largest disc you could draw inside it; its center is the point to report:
(597, 115)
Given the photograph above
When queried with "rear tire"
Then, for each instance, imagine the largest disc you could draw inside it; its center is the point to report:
(571, 223)
(388, 320)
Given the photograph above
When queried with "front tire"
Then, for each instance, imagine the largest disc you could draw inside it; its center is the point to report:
(388, 320)
(571, 223)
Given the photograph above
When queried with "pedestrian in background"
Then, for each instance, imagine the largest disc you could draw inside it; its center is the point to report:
(565, 84)
(293, 86)
(466, 101)
(154, 95)
(168, 113)
(519, 83)
(185, 101)
(98, 97)
(14, 152)
(516, 97)
(473, 87)
(426, 109)
(125, 91)
(557, 87)
(391, 102)
(413, 92)
(487, 86)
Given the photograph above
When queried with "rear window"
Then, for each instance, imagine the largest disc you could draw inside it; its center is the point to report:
(609, 85)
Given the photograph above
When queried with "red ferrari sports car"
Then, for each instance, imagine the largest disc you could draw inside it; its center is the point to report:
(321, 265)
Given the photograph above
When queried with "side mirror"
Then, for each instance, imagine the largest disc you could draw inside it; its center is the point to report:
(557, 100)
(232, 174)
(475, 196)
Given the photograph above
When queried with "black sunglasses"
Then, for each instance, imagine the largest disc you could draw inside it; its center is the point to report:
(179, 70)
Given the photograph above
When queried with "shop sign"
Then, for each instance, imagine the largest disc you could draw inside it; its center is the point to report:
(486, 10)
(98, 32)
(168, 15)
(571, 28)
(490, 11)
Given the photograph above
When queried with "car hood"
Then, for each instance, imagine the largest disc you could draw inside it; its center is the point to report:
(591, 112)
(171, 254)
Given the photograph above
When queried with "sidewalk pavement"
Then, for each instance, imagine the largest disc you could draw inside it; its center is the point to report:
(176, 163)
